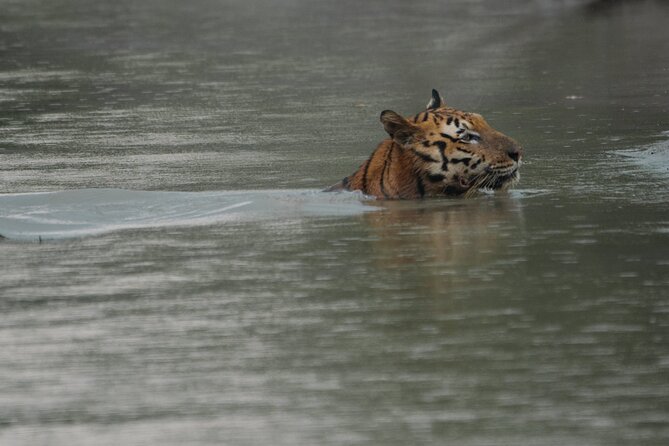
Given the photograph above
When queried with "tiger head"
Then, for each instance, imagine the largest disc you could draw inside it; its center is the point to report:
(456, 152)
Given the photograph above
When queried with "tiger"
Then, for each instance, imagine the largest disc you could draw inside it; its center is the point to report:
(439, 152)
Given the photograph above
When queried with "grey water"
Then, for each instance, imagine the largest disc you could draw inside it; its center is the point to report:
(138, 308)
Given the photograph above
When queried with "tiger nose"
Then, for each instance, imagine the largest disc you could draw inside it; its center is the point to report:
(514, 152)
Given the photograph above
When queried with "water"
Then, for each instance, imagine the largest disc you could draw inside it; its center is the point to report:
(83, 212)
(153, 313)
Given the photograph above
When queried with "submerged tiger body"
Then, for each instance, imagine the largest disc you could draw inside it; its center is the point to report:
(439, 152)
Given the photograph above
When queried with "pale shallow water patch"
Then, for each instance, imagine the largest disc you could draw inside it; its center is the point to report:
(85, 212)
(654, 157)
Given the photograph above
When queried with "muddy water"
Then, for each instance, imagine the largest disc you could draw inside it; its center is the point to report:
(535, 317)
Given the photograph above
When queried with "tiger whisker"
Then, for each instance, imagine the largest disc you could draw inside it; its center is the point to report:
(479, 181)
(473, 188)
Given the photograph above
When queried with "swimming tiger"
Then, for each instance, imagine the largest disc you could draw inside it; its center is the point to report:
(439, 152)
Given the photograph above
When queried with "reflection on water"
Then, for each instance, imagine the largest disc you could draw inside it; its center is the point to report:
(537, 317)
(459, 232)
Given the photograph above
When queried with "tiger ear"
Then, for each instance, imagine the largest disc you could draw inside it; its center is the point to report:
(399, 129)
(435, 101)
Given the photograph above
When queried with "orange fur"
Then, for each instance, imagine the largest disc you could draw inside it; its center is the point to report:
(439, 152)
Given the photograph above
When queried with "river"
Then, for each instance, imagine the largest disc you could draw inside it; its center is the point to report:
(172, 275)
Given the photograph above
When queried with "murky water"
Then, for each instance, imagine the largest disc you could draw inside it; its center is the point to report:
(157, 317)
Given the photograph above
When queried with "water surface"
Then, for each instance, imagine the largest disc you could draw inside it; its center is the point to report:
(536, 317)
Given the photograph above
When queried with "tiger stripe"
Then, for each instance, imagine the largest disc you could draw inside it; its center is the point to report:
(424, 157)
